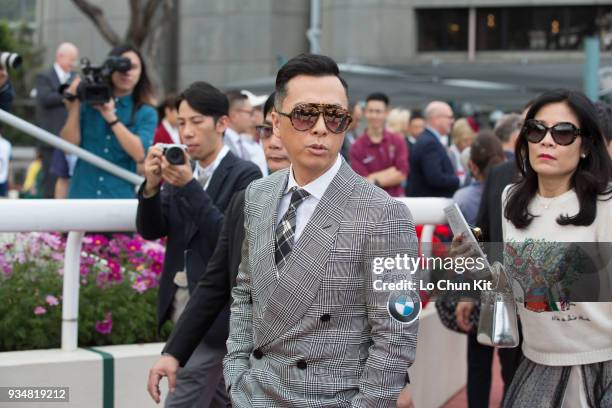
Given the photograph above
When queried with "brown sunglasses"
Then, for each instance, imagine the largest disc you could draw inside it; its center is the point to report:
(304, 116)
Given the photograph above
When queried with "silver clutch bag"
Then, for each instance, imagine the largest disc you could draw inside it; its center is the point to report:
(498, 325)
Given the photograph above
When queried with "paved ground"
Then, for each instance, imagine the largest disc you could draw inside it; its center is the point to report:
(459, 400)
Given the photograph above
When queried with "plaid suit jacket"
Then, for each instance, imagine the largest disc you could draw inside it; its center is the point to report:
(319, 335)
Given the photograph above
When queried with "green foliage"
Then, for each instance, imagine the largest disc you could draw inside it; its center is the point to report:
(118, 282)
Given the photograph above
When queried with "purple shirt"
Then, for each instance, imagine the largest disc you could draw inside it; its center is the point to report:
(368, 157)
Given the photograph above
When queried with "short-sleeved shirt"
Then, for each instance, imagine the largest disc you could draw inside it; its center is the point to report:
(368, 157)
(97, 137)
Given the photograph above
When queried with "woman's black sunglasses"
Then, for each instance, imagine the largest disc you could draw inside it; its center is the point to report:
(563, 133)
(305, 115)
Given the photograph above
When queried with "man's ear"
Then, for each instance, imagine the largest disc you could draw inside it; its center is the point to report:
(275, 123)
(222, 124)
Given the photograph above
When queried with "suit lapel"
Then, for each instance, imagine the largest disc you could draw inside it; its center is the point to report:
(291, 295)
(214, 189)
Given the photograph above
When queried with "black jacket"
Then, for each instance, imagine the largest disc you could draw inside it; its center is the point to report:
(431, 171)
(191, 218)
(489, 217)
(214, 287)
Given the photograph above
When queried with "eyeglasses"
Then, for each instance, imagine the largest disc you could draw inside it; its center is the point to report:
(249, 112)
(305, 115)
(563, 133)
(263, 131)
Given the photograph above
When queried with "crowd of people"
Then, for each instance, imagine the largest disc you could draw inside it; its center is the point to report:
(276, 210)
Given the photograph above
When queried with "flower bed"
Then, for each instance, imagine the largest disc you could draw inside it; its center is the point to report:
(117, 304)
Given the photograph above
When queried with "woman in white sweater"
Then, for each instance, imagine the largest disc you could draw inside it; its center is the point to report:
(557, 232)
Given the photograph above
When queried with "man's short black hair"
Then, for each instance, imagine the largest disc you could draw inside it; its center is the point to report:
(416, 114)
(378, 96)
(305, 64)
(206, 99)
(235, 98)
(268, 105)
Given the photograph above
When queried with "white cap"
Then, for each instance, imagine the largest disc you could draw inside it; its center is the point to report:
(255, 100)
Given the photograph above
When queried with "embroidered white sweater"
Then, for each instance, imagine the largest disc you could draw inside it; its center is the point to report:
(582, 334)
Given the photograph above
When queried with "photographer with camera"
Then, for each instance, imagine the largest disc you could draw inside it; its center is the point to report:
(188, 209)
(119, 130)
(7, 95)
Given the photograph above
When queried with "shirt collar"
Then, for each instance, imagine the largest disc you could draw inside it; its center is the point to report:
(318, 186)
(61, 74)
(232, 134)
(385, 135)
(435, 132)
(213, 166)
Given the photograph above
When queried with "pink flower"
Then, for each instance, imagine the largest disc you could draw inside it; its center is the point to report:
(51, 300)
(140, 286)
(105, 326)
(115, 271)
(156, 268)
(84, 270)
(39, 310)
(134, 245)
(57, 256)
(99, 240)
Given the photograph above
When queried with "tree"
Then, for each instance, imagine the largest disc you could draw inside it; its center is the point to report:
(147, 20)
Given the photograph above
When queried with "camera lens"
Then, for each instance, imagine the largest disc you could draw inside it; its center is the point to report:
(175, 155)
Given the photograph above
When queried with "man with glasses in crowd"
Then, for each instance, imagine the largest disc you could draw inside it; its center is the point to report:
(306, 327)
(241, 116)
(431, 173)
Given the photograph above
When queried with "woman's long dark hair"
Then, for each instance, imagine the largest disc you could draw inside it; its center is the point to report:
(143, 91)
(591, 178)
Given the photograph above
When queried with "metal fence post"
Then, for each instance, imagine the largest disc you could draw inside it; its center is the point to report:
(70, 303)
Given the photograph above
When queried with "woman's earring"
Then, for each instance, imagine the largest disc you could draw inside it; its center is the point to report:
(583, 155)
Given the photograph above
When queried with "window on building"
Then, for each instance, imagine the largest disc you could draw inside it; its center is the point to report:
(538, 28)
(442, 29)
(515, 28)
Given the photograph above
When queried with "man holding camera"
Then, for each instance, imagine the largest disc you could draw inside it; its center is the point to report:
(51, 115)
(188, 209)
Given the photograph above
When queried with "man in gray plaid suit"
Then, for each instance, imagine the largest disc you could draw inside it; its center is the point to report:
(307, 328)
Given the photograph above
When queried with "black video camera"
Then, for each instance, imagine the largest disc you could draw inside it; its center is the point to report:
(96, 87)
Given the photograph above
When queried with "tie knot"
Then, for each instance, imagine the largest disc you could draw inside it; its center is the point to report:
(298, 196)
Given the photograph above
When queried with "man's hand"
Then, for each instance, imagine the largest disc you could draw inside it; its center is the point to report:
(462, 314)
(153, 171)
(405, 398)
(177, 174)
(107, 110)
(165, 366)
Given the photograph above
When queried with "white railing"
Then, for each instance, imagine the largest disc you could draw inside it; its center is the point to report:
(79, 216)
(59, 143)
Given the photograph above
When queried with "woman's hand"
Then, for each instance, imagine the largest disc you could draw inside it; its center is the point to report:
(462, 314)
(72, 90)
(107, 110)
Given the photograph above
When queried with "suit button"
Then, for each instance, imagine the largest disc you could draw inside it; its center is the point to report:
(258, 354)
(301, 364)
(325, 317)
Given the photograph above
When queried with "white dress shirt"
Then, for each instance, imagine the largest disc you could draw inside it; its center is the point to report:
(316, 188)
(62, 75)
(210, 169)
